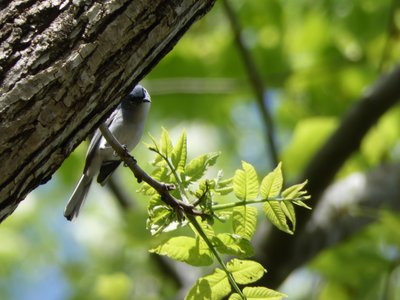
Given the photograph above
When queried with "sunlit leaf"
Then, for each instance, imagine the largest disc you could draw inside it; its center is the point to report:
(288, 210)
(294, 191)
(158, 160)
(161, 218)
(190, 250)
(302, 204)
(198, 166)
(258, 293)
(224, 191)
(234, 245)
(271, 185)
(223, 187)
(207, 228)
(165, 143)
(211, 287)
(245, 182)
(245, 271)
(244, 221)
(276, 216)
(179, 153)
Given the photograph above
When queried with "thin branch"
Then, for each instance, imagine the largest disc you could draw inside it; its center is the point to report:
(256, 82)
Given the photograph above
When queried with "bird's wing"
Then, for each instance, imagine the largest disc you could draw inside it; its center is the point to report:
(106, 169)
(94, 143)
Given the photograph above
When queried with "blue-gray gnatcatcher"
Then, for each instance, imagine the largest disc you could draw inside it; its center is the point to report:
(126, 123)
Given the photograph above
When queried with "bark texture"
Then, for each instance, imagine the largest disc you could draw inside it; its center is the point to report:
(64, 65)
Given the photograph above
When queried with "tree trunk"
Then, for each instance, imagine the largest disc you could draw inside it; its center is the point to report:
(64, 65)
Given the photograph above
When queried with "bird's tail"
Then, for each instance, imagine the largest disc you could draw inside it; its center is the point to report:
(77, 198)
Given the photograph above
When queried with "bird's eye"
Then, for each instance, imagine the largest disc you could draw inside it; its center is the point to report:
(133, 99)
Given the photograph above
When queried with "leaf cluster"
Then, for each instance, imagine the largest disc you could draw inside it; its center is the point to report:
(243, 191)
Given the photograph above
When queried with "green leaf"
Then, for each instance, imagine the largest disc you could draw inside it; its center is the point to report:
(158, 160)
(294, 191)
(165, 143)
(245, 271)
(288, 210)
(224, 191)
(179, 153)
(225, 182)
(233, 245)
(190, 250)
(211, 287)
(271, 185)
(235, 296)
(155, 144)
(244, 221)
(276, 216)
(223, 187)
(198, 166)
(302, 204)
(245, 182)
(207, 228)
(258, 293)
(161, 218)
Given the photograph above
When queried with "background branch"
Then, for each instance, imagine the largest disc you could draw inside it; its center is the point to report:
(256, 82)
(124, 200)
(279, 250)
(126, 203)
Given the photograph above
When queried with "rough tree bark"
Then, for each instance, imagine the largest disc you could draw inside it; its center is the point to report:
(64, 65)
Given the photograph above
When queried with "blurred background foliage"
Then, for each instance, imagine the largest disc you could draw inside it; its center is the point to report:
(315, 58)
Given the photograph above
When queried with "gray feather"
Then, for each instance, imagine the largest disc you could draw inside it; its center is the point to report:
(77, 198)
(106, 170)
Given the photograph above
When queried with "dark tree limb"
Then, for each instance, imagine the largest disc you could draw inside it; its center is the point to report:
(362, 196)
(64, 66)
(280, 252)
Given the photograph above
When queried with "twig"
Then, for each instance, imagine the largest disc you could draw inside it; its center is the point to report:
(161, 188)
(126, 203)
(255, 81)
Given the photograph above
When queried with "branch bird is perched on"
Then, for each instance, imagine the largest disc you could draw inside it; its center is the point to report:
(126, 123)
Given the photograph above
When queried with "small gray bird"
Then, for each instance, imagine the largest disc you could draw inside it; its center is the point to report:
(126, 123)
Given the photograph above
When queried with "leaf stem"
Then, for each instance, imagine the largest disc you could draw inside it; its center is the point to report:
(247, 202)
(181, 188)
(200, 231)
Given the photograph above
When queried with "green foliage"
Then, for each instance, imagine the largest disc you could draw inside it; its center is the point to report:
(258, 293)
(170, 166)
(113, 286)
(316, 58)
(244, 221)
(186, 249)
(371, 260)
